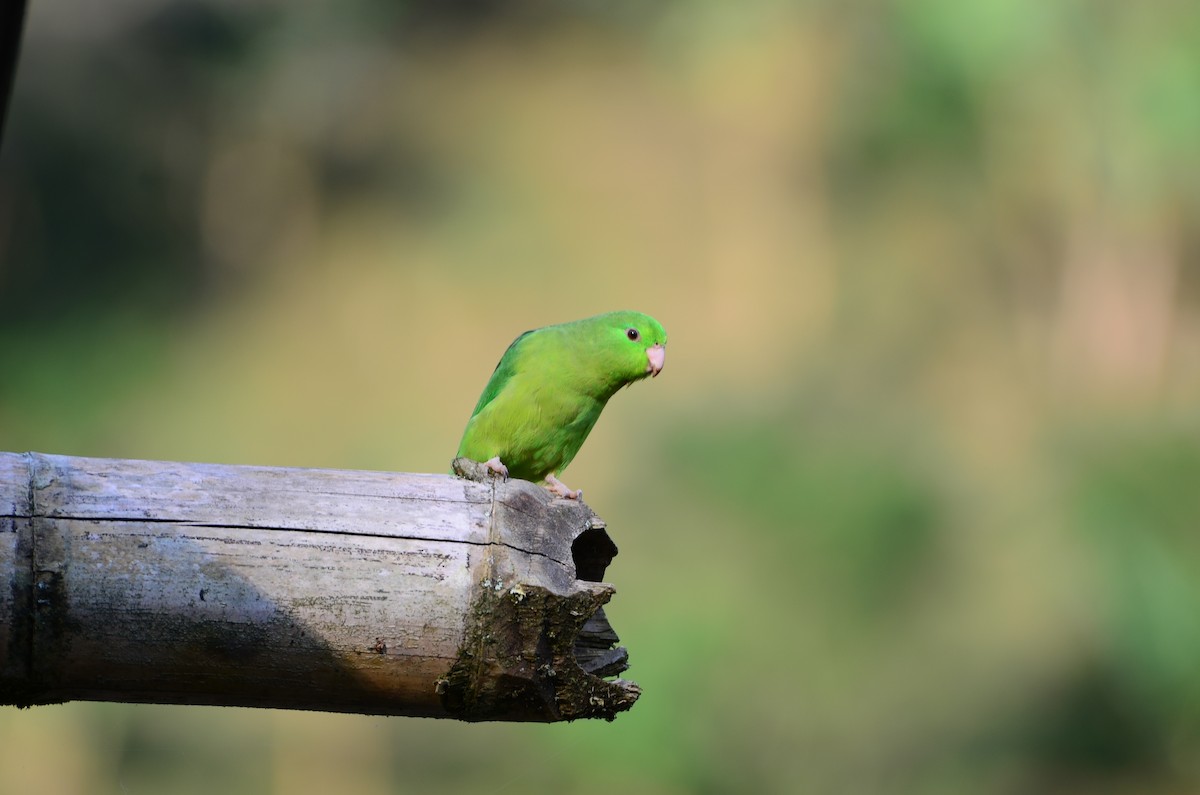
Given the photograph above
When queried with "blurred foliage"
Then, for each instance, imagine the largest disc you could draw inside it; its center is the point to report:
(912, 509)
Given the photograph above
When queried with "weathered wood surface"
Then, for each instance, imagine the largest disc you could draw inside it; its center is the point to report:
(349, 591)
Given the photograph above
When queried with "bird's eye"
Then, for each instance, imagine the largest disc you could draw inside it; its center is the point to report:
(632, 334)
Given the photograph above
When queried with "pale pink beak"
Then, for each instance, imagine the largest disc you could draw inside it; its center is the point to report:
(656, 355)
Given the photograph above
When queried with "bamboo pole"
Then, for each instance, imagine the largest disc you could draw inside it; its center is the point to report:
(345, 591)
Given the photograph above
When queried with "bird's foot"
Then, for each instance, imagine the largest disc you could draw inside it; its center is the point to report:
(562, 489)
(480, 472)
(496, 465)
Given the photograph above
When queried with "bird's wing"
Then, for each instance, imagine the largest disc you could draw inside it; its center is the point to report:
(506, 368)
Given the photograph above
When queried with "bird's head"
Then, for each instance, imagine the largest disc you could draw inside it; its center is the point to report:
(636, 344)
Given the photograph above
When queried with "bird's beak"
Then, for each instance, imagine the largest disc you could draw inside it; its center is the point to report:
(656, 356)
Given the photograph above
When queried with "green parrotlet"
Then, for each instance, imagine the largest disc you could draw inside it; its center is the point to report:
(549, 388)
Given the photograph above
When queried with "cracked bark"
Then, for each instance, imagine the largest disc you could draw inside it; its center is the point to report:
(346, 591)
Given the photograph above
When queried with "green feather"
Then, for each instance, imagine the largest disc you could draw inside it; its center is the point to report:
(550, 386)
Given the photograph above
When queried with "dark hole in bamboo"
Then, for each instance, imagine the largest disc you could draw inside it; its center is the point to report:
(591, 552)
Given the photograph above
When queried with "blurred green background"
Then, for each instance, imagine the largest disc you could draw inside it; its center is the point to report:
(915, 507)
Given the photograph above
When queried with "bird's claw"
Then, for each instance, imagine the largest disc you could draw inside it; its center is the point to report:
(562, 489)
(497, 466)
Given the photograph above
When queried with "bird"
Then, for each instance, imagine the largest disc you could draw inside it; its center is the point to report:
(549, 388)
